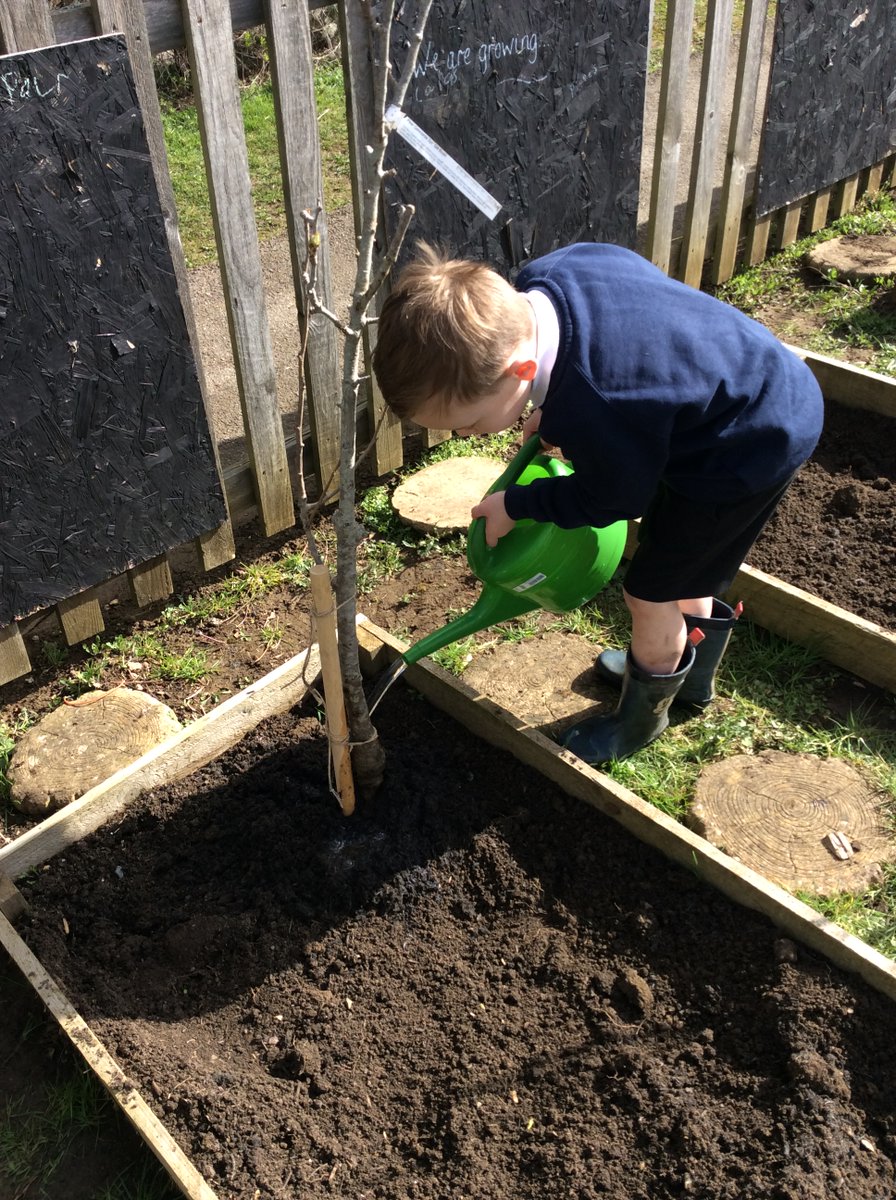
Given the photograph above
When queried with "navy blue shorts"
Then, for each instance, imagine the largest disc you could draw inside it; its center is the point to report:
(687, 549)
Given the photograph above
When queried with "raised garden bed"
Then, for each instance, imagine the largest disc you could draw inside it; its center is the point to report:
(483, 987)
(478, 985)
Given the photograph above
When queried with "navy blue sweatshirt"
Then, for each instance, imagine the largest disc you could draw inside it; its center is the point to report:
(654, 381)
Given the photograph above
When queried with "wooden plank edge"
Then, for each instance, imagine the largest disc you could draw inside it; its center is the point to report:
(122, 1089)
(855, 645)
(850, 385)
(175, 758)
(502, 728)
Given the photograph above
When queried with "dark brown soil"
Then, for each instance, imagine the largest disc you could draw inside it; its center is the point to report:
(834, 537)
(476, 987)
(834, 534)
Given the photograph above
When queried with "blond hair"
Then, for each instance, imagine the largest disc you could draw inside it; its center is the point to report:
(445, 332)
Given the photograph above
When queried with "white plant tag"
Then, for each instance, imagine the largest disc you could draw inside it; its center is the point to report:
(411, 132)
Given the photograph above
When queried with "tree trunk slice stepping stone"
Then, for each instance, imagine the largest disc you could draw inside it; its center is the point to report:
(549, 681)
(861, 257)
(438, 499)
(808, 824)
(81, 744)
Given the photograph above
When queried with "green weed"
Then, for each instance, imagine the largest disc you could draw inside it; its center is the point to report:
(491, 445)
(456, 656)
(376, 511)
(377, 560)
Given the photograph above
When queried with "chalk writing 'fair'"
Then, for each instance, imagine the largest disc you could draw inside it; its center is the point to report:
(23, 87)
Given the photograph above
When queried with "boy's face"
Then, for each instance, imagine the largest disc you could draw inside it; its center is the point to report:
(491, 413)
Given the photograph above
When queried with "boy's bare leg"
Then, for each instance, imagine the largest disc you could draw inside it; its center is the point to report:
(697, 608)
(659, 632)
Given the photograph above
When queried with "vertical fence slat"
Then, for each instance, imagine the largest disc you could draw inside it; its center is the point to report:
(818, 210)
(757, 240)
(357, 70)
(80, 617)
(845, 196)
(740, 138)
(210, 45)
(788, 225)
(292, 69)
(14, 660)
(25, 25)
(670, 116)
(129, 17)
(151, 580)
(873, 181)
(710, 112)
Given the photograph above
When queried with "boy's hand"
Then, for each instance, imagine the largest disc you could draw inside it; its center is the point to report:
(497, 522)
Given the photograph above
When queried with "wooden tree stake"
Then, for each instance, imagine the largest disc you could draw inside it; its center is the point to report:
(323, 609)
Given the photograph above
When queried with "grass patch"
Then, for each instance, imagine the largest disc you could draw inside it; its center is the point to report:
(37, 1138)
(147, 654)
(184, 145)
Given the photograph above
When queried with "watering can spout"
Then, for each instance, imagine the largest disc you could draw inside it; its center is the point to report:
(535, 565)
(493, 606)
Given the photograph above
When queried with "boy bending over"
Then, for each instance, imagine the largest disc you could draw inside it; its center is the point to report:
(669, 404)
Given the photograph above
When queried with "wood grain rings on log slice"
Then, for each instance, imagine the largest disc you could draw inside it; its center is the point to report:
(808, 824)
(81, 744)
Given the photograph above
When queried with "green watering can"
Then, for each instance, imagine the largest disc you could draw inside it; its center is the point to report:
(536, 565)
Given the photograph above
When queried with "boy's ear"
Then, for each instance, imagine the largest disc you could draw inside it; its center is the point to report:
(524, 369)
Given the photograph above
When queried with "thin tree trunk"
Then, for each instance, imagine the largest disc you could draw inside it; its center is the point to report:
(368, 758)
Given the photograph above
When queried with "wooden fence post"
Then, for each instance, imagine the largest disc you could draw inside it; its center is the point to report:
(210, 44)
(292, 68)
(667, 144)
(710, 108)
(740, 137)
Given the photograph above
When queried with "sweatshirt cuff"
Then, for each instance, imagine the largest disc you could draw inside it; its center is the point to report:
(516, 501)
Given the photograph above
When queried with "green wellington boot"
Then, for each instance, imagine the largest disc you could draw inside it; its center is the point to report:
(641, 715)
(698, 689)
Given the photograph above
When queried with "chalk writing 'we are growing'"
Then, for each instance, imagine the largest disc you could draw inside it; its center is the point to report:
(14, 86)
(445, 65)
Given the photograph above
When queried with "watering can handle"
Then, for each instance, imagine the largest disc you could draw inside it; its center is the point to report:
(515, 468)
(517, 464)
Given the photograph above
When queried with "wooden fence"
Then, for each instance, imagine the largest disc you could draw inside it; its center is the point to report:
(701, 232)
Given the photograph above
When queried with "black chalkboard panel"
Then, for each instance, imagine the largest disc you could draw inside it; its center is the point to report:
(542, 101)
(832, 97)
(105, 455)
